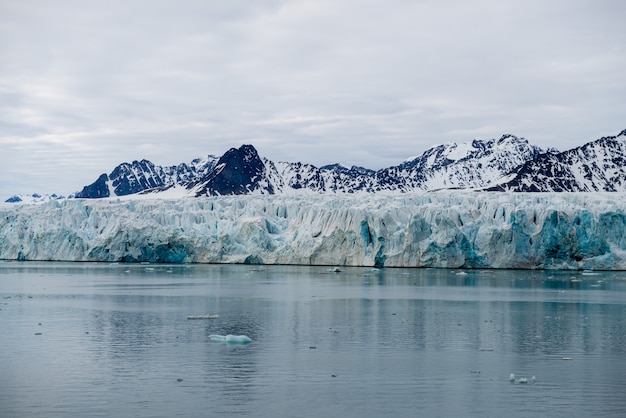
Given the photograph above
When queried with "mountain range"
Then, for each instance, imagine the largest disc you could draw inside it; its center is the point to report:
(505, 164)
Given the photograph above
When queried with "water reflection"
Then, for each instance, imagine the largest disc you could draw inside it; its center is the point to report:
(231, 371)
(115, 341)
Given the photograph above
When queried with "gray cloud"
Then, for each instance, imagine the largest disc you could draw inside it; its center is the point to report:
(87, 85)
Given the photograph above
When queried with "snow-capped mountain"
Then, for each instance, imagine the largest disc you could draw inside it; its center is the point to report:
(34, 198)
(508, 163)
(239, 171)
(467, 166)
(143, 176)
(472, 165)
(596, 166)
(329, 178)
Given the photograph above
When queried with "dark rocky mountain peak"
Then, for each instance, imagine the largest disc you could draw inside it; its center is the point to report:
(238, 171)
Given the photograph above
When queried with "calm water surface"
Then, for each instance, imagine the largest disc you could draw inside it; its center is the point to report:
(100, 340)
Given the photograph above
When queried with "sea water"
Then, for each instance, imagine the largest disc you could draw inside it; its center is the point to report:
(114, 340)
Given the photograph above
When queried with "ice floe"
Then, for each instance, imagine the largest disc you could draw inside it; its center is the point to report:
(231, 339)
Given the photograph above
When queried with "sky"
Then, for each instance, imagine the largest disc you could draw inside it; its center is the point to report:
(87, 85)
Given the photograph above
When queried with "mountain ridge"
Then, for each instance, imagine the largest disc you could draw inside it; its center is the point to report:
(598, 165)
(509, 163)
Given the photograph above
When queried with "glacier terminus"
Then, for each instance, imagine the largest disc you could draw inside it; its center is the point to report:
(447, 229)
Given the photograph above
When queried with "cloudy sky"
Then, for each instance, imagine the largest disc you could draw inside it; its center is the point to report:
(86, 85)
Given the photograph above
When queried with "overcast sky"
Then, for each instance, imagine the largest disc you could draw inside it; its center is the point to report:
(86, 85)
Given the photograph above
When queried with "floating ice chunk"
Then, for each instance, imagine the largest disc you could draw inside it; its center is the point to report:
(231, 339)
(522, 380)
(203, 316)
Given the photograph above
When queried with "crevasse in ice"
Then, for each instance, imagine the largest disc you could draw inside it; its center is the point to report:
(443, 229)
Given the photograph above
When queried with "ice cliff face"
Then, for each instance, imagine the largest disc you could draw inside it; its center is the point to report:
(443, 229)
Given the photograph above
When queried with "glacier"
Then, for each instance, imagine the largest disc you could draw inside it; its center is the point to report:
(445, 229)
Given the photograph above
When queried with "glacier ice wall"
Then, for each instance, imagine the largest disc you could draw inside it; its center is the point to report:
(443, 229)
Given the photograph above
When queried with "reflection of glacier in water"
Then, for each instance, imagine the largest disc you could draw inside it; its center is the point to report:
(443, 229)
(97, 339)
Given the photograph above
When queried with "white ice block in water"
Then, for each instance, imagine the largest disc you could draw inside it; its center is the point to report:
(232, 339)
(203, 316)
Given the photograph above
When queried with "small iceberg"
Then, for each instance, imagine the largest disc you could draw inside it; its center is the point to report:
(230, 339)
(522, 380)
(203, 316)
